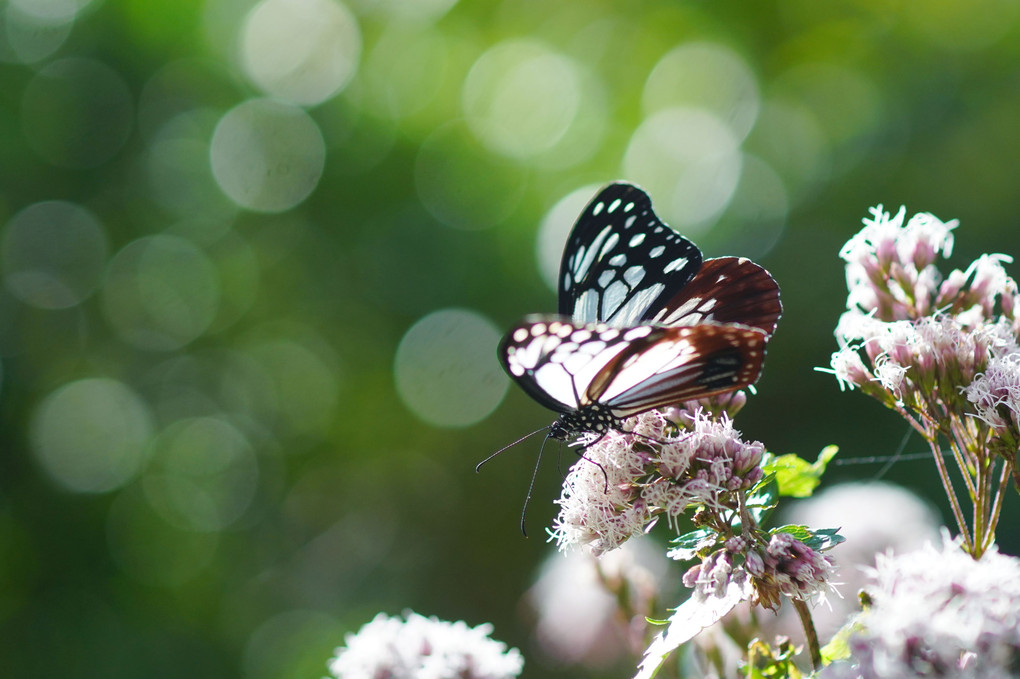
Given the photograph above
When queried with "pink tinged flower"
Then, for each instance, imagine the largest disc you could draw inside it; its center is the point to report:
(697, 467)
(989, 280)
(597, 504)
(754, 564)
(799, 571)
(926, 237)
(996, 392)
(417, 647)
(876, 241)
(890, 374)
(849, 369)
(691, 575)
(854, 326)
(712, 576)
(651, 425)
(951, 288)
(890, 268)
(736, 545)
(938, 612)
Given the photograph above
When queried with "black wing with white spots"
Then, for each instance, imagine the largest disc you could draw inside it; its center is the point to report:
(620, 259)
(624, 266)
(595, 374)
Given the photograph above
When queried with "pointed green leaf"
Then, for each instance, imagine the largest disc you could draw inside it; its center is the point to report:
(818, 540)
(687, 546)
(796, 476)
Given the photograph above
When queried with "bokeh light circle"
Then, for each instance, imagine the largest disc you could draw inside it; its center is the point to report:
(689, 162)
(554, 230)
(445, 368)
(266, 155)
(29, 39)
(51, 11)
(149, 549)
(161, 292)
(520, 98)
(461, 184)
(54, 253)
(290, 381)
(404, 72)
(202, 475)
(756, 217)
(845, 101)
(77, 113)
(178, 169)
(708, 76)
(791, 140)
(303, 51)
(92, 435)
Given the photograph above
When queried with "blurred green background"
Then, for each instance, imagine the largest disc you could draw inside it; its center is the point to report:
(256, 257)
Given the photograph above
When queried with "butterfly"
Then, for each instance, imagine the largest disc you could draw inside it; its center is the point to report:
(644, 321)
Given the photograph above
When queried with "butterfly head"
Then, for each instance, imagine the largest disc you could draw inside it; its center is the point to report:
(585, 425)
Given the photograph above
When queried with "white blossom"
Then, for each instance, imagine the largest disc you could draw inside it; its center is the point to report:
(995, 393)
(625, 479)
(424, 648)
(938, 612)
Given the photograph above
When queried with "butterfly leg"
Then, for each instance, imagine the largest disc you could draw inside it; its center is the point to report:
(581, 454)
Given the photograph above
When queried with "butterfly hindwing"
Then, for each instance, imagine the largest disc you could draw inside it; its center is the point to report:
(624, 266)
(725, 290)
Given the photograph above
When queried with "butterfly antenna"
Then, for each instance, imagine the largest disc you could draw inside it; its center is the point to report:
(478, 467)
(531, 486)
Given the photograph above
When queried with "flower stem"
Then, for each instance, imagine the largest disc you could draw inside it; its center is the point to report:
(947, 483)
(809, 632)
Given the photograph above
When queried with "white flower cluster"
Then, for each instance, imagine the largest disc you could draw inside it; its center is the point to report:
(995, 393)
(890, 267)
(940, 351)
(938, 613)
(938, 346)
(626, 479)
(424, 648)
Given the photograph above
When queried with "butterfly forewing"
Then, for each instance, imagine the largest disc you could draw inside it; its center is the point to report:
(620, 260)
(567, 366)
(555, 361)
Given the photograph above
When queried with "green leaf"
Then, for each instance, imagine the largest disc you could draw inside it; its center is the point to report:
(765, 662)
(763, 498)
(687, 546)
(798, 477)
(839, 647)
(818, 540)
